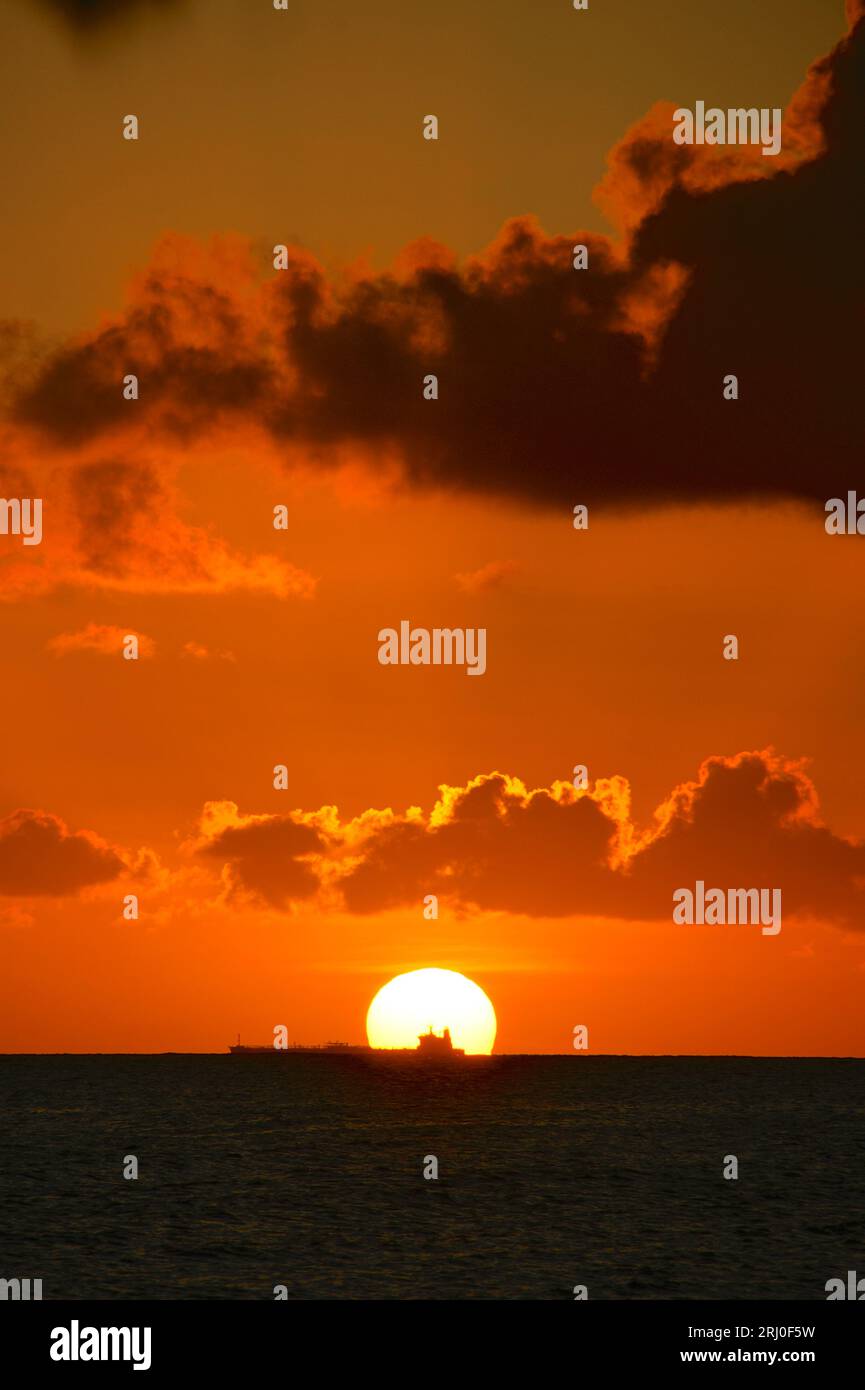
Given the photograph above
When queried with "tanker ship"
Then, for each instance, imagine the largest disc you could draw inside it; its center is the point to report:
(429, 1045)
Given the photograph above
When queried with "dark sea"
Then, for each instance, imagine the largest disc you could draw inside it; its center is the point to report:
(553, 1172)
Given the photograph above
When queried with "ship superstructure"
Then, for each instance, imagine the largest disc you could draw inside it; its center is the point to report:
(431, 1045)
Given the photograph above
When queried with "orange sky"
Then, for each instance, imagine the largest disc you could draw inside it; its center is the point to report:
(604, 647)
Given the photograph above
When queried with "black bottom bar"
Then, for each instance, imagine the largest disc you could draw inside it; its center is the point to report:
(251, 1339)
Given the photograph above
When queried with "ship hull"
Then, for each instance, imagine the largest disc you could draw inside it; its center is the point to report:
(403, 1053)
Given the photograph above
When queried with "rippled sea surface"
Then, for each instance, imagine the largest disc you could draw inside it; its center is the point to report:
(553, 1172)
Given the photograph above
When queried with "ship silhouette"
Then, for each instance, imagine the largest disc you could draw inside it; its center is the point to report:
(429, 1046)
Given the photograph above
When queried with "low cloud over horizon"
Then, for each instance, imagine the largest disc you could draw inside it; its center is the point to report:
(748, 821)
(494, 845)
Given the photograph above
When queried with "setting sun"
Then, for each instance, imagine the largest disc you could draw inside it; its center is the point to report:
(410, 1004)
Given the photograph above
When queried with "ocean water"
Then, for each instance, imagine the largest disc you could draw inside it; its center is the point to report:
(553, 1172)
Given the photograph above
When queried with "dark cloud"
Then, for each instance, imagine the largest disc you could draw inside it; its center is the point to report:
(187, 383)
(264, 856)
(498, 849)
(40, 857)
(750, 821)
(555, 385)
(87, 17)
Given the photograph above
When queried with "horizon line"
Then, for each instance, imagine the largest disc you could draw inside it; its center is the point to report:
(634, 1056)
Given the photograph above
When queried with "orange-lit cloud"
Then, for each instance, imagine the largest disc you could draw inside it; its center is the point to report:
(489, 576)
(270, 857)
(101, 638)
(196, 651)
(115, 524)
(747, 821)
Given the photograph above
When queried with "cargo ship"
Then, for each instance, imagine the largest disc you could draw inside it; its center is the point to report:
(341, 1049)
(429, 1045)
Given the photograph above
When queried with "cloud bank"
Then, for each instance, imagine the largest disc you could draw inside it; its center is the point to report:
(751, 820)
